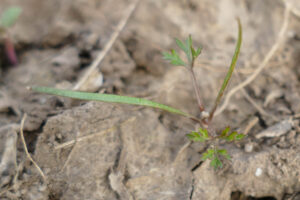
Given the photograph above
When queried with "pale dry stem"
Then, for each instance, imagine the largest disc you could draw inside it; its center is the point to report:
(256, 106)
(70, 154)
(26, 150)
(83, 138)
(181, 150)
(107, 47)
(250, 125)
(266, 60)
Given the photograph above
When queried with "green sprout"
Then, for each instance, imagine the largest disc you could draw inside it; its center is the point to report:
(9, 17)
(204, 134)
(7, 20)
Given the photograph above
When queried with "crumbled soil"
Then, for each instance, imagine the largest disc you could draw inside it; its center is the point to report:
(94, 150)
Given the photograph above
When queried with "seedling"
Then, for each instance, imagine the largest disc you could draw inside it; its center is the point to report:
(204, 134)
(7, 20)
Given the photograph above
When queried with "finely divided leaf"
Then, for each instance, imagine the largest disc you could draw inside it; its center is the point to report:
(214, 156)
(194, 136)
(200, 136)
(204, 133)
(216, 163)
(231, 136)
(189, 46)
(181, 45)
(173, 58)
(209, 154)
(224, 153)
(10, 16)
(234, 136)
(195, 53)
(107, 98)
(239, 136)
(225, 132)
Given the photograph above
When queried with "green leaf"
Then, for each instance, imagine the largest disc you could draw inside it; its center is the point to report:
(231, 136)
(204, 133)
(214, 156)
(239, 136)
(194, 136)
(108, 98)
(186, 48)
(224, 153)
(173, 58)
(181, 45)
(216, 163)
(209, 154)
(225, 132)
(189, 45)
(230, 70)
(10, 16)
(195, 53)
(200, 136)
(198, 51)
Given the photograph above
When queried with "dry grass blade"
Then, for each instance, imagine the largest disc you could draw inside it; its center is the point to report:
(107, 47)
(230, 71)
(26, 150)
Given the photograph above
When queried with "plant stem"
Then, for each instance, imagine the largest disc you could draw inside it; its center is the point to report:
(195, 85)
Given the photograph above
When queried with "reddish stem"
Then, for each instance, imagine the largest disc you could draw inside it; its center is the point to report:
(10, 51)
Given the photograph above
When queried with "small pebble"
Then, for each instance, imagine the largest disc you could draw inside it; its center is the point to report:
(248, 147)
(258, 172)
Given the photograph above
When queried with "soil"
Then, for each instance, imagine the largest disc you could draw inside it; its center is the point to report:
(94, 150)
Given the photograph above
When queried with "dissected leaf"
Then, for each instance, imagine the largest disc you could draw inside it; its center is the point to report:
(209, 154)
(239, 136)
(198, 52)
(107, 98)
(231, 136)
(214, 156)
(195, 53)
(187, 48)
(10, 16)
(189, 45)
(194, 136)
(216, 163)
(204, 133)
(200, 136)
(181, 45)
(173, 58)
(224, 153)
(225, 132)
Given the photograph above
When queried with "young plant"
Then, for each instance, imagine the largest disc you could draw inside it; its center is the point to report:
(204, 134)
(207, 133)
(7, 20)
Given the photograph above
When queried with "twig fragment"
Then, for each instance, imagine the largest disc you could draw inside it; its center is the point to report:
(250, 125)
(107, 47)
(26, 150)
(79, 139)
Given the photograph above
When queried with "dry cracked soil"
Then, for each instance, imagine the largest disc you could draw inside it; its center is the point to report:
(94, 150)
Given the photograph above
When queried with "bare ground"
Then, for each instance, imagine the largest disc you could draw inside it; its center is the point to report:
(92, 150)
